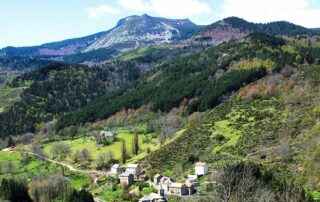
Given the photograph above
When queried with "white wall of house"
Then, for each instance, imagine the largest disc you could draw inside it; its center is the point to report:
(201, 169)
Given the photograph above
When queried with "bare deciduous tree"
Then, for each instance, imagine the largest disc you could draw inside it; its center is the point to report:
(60, 150)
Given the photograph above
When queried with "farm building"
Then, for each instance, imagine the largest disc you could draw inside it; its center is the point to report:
(201, 168)
(134, 169)
(157, 178)
(116, 169)
(126, 179)
(178, 189)
(107, 134)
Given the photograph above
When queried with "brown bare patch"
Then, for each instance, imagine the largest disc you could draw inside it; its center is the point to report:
(249, 92)
(271, 91)
(290, 84)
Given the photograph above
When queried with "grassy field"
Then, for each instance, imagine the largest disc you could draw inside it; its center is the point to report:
(9, 95)
(34, 167)
(139, 53)
(97, 149)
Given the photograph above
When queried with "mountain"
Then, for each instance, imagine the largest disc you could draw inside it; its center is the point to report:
(130, 33)
(207, 78)
(234, 28)
(316, 29)
(139, 31)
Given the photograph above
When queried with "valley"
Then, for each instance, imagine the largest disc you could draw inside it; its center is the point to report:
(136, 111)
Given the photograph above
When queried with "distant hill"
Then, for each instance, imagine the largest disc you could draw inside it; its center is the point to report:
(234, 28)
(130, 33)
(316, 29)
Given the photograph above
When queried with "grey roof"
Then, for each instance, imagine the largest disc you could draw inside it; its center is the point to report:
(130, 165)
(151, 197)
(116, 166)
(125, 174)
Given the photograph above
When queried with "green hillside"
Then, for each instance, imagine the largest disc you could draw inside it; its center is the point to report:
(206, 78)
(273, 122)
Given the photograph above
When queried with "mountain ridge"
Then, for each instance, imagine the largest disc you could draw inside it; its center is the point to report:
(145, 29)
(235, 28)
(136, 31)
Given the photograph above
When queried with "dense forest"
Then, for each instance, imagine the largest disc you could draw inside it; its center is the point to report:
(59, 88)
(274, 28)
(205, 78)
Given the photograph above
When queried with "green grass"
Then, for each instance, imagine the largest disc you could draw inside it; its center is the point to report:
(231, 135)
(97, 149)
(78, 181)
(140, 53)
(35, 167)
(109, 195)
(9, 95)
(240, 129)
(315, 195)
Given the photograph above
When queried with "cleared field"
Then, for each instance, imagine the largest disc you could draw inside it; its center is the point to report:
(97, 149)
(14, 164)
(9, 95)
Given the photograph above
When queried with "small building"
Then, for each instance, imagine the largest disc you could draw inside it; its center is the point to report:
(157, 178)
(201, 168)
(165, 182)
(107, 134)
(134, 169)
(116, 169)
(153, 197)
(143, 178)
(126, 179)
(96, 180)
(192, 179)
(178, 189)
(191, 189)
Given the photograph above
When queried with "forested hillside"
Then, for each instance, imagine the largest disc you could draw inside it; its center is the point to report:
(275, 28)
(60, 88)
(205, 79)
(14, 66)
(272, 123)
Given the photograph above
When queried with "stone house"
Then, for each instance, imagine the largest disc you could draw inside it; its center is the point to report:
(134, 169)
(178, 189)
(116, 169)
(165, 182)
(201, 168)
(191, 189)
(157, 178)
(126, 179)
(107, 134)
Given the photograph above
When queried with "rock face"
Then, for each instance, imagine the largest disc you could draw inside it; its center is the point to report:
(139, 31)
(130, 33)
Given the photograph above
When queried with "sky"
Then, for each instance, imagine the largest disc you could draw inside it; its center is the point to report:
(34, 22)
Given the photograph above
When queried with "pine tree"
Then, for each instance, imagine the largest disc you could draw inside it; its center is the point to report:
(10, 142)
(123, 152)
(135, 144)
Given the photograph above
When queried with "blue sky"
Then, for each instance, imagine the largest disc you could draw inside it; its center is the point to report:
(33, 22)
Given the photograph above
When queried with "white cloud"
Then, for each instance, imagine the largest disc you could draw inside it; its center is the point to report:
(296, 11)
(167, 8)
(97, 12)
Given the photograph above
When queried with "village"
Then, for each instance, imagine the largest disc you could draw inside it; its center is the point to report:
(130, 174)
(165, 186)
